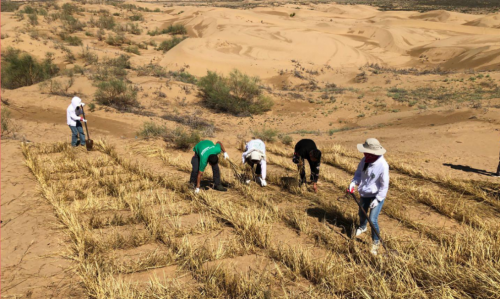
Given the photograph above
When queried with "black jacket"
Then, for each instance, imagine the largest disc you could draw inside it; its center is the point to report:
(302, 150)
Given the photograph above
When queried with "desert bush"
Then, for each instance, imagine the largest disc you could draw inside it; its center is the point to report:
(71, 24)
(151, 129)
(69, 8)
(136, 17)
(267, 135)
(57, 87)
(151, 70)
(116, 93)
(33, 19)
(116, 40)
(134, 29)
(172, 29)
(169, 44)
(286, 139)
(194, 121)
(89, 57)
(106, 22)
(132, 49)
(10, 6)
(237, 94)
(72, 40)
(184, 77)
(122, 61)
(21, 69)
(183, 139)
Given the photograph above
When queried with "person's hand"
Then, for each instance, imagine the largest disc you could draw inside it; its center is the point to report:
(197, 190)
(226, 156)
(84, 120)
(81, 118)
(82, 104)
(315, 187)
(374, 203)
(351, 187)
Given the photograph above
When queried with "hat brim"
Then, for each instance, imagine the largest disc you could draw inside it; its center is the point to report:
(363, 149)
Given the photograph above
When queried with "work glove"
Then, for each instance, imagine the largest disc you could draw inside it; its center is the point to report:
(82, 104)
(351, 187)
(84, 120)
(374, 204)
(197, 190)
(226, 156)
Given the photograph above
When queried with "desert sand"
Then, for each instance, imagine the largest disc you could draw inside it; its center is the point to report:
(329, 69)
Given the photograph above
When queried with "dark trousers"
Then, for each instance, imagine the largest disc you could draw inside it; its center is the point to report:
(195, 162)
(258, 169)
(302, 169)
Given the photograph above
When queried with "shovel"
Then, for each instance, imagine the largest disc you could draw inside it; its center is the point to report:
(393, 252)
(89, 143)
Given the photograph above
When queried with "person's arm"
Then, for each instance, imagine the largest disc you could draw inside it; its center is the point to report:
(221, 146)
(357, 175)
(198, 179)
(243, 156)
(384, 184)
(73, 115)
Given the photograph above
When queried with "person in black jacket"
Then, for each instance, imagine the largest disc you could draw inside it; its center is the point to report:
(306, 149)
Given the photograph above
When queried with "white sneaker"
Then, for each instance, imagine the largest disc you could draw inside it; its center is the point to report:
(247, 182)
(374, 249)
(361, 230)
(263, 183)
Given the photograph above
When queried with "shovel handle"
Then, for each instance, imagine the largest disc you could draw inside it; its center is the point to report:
(86, 128)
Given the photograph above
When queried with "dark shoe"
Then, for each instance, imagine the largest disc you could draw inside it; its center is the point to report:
(220, 188)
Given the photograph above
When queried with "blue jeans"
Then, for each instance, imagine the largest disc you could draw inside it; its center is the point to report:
(75, 132)
(365, 203)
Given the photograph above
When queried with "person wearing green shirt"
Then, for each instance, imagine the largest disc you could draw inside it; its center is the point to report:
(206, 152)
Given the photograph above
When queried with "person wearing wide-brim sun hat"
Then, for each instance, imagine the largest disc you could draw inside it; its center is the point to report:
(372, 179)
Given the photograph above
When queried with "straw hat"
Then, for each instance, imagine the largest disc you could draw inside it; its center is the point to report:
(372, 146)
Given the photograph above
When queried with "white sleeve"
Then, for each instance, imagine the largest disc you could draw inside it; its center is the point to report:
(384, 183)
(357, 174)
(73, 115)
(243, 160)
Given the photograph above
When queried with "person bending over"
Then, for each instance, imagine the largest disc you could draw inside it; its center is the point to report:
(255, 154)
(206, 152)
(306, 149)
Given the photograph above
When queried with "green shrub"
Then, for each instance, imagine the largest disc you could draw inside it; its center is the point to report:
(92, 107)
(151, 130)
(33, 19)
(71, 24)
(117, 94)
(9, 6)
(237, 94)
(151, 70)
(106, 22)
(184, 77)
(136, 17)
(172, 29)
(286, 139)
(169, 44)
(292, 15)
(116, 40)
(122, 61)
(21, 69)
(28, 10)
(69, 8)
(183, 140)
(73, 40)
(267, 135)
(132, 49)
(89, 57)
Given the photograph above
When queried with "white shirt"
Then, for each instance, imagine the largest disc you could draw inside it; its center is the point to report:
(254, 144)
(71, 116)
(374, 182)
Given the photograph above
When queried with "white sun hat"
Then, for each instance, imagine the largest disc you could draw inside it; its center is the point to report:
(371, 146)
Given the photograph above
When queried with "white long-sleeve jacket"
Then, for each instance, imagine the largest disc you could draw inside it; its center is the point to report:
(71, 116)
(256, 145)
(374, 182)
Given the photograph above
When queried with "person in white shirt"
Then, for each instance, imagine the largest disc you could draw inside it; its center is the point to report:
(255, 154)
(372, 179)
(74, 121)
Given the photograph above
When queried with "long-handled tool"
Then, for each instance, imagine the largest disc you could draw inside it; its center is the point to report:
(89, 143)
(370, 222)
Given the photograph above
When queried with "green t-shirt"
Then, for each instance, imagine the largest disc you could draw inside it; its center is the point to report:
(204, 149)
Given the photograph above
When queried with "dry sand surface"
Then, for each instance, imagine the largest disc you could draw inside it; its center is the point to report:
(425, 84)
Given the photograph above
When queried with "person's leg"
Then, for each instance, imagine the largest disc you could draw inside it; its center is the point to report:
(374, 219)
(82, 135)
(365, 203)
(302, 170)
(258, 170)
(216, 173)
(263, 168)
(195, 163)
(74, 135)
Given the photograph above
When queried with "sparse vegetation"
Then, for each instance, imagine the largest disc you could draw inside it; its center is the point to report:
(116, 93)
(166, 45)
(21, 69)
(10, 6)
(237, 94)
(266, 134)
(152, 129)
